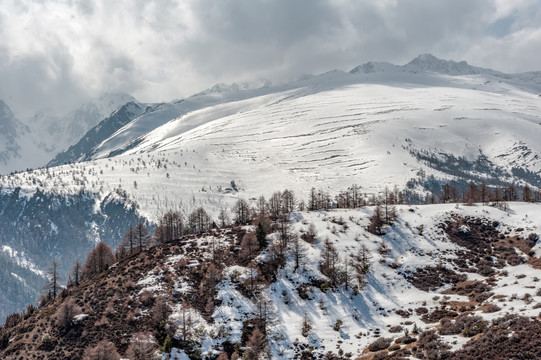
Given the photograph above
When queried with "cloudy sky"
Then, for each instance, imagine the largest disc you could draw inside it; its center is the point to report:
(56, 53)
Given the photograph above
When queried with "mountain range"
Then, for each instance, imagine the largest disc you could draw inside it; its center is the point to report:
(416, 127)
(31, 143)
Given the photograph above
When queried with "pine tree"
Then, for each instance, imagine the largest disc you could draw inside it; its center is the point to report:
(261, 236)
(312, 200)
(362, 263)
(376, 222)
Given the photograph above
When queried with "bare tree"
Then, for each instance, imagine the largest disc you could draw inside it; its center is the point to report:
(275, 205)
(472, 193)
(253, 275)
(66, 312)
(448, 193)
(284, 232)
(98, 260)
(53, 280)
(249, 247)
(484, 192)
(223, 218)
(170, 227)
(128, 241)
(256, 346)
(389, 211)
(142, 236)
(288, 201)
(104, 350)
(376, 222)
(76, 272)
(160, 311)
(199, 221)
(242, 212)
(187, 323)
(264, 312)
(298, 251)
(261, 206)
(526, 193)
(330, 265)
(142, 346)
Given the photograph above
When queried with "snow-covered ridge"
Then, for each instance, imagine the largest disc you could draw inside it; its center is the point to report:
(329, 132)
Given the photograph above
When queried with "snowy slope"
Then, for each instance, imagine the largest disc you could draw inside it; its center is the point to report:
(330, 131)
(387, 300)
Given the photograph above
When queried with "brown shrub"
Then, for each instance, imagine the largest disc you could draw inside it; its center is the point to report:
(380, 344)
(395, 329)
(66, 312)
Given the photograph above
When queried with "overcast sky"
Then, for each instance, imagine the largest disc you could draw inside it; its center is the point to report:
(56, 53)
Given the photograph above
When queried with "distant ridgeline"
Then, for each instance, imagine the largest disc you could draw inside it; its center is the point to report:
(42, 227)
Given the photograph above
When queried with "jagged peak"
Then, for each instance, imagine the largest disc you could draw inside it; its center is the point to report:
(107, 103)
(431, 63)
(221, 88)
(373, 67)
(5, 111)
(424, 63)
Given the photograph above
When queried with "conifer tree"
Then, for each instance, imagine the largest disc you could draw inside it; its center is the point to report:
(261, 236)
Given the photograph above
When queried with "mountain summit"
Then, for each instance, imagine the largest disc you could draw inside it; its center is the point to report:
(11, 133)
(428, 62)
(425, 63)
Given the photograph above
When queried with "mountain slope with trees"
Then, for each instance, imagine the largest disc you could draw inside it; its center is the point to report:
(319, 284)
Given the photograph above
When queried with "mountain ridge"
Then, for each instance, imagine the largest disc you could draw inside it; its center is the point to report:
(416, 131)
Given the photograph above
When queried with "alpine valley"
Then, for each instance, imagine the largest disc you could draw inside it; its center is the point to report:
(395, 210)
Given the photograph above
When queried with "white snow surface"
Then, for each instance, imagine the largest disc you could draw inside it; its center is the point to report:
(329, 131)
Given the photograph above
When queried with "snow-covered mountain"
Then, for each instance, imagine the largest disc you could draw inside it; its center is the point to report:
(426, 63)
(82, 150)
(31, 143)
(414, 126)
(15, 148)
(54, 134)
(412, 129)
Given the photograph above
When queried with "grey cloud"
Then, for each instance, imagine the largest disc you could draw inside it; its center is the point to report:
(159, 50)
